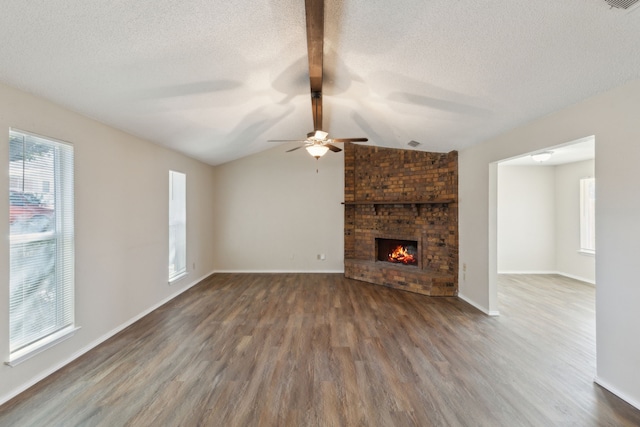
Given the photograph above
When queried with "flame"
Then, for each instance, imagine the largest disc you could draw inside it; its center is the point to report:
(400, 255)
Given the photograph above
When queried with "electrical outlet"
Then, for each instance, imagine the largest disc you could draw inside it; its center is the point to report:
(194, 265)
(321, 257)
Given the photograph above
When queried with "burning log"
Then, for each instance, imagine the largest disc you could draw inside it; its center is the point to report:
(402, 255)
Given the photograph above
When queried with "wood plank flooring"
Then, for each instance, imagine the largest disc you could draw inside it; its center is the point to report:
(322, 350)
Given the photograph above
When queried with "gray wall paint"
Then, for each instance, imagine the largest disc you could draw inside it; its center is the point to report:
(121, 266)
(121, 229)
(568, 260)
(539, 220)
(275, 213)
(526, 219)
(612, 118)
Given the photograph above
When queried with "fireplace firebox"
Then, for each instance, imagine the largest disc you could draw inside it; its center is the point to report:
(397, 251)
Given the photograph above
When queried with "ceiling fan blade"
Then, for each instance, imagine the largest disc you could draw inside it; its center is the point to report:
(294, 148)
(333, 148)
(349, 139)
(315, 43)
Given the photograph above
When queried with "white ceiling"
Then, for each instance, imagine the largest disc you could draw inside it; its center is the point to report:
(217, 79)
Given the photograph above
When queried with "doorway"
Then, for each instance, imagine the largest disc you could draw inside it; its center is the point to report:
(538, 208)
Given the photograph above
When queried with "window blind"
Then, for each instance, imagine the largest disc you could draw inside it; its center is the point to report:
(41, 240)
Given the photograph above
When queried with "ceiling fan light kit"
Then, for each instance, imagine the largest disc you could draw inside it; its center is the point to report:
(317, 143)
(317, 150)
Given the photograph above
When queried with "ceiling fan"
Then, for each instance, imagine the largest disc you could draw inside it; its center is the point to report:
(317, 142)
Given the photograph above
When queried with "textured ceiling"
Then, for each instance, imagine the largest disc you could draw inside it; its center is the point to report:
(217, 79)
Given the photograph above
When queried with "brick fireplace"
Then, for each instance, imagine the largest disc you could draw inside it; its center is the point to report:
(402, 198)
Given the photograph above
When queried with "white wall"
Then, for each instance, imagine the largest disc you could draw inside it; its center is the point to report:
(121, 212)
(538, 220)
(613, 118)
(567, 194)
(276, 214)
(526, 219)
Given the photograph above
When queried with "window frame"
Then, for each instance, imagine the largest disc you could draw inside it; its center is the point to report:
(177, 242)
(58, 231)
(587, 216)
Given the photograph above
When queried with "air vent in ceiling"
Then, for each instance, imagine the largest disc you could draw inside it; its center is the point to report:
(414, 144)
(622, 4)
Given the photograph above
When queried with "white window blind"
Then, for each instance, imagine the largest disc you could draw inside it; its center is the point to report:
(177, 225)
(588, 215)
(41, 242)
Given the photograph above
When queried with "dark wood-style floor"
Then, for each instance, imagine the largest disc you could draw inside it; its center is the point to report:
(322, 350)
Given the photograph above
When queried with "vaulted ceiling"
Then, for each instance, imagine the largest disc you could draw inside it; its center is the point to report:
(217, 79)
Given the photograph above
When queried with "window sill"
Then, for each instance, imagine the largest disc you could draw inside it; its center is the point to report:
(29, 351)
(178, 277)
(587, 252)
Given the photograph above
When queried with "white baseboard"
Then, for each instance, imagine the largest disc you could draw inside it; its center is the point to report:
(278, 271)
(478, 306)
(560, 273)
(528, 272)
(618, 393)
(96, 342)
(582, 279)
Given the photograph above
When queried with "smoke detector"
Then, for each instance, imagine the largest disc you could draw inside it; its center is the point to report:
(623, 4)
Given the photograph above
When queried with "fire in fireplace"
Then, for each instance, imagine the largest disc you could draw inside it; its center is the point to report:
(397, 251)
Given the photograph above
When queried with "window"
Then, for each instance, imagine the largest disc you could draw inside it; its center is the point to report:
(41, 240)
(177, 225)
(588, 215)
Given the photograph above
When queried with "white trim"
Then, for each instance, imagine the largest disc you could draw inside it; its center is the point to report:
(582, 279)
(604, 384)
(277, 271)
(527, 272)
(478, 306)
(588, 252)
(174, 279)
(97, 342)
(36, 135)
(41, 345)
(559, 273)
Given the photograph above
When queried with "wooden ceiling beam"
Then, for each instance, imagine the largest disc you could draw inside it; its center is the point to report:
(314, 10)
